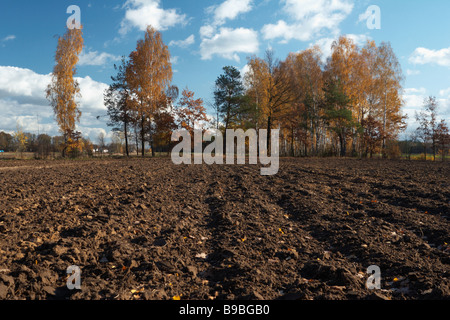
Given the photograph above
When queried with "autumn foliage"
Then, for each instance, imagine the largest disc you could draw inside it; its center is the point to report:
(63, 91)
(190, 112)
(348, 105)
(149, 75)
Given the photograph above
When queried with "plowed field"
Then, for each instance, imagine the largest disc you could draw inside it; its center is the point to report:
(148, 229)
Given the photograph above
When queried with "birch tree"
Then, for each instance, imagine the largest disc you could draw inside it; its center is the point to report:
(149, 75)
(64, 89)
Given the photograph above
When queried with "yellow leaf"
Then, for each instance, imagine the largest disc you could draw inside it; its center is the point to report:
(176, 298)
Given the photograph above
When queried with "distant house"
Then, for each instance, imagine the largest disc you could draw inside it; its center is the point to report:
(101, 150)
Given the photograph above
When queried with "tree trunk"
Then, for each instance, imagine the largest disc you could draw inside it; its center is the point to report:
(269, 133)
(312, 137)
(384, 123)
(142, 137)
(63, 153)
(152, 146)
(136, 137)
(343, 145)
(292, 142)
(126, 138)
(434, 149)
(224, 138)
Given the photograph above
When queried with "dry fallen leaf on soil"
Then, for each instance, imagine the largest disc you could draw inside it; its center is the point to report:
(339, 287)
(201, 255)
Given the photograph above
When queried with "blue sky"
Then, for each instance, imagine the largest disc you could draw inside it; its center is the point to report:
(203, 37)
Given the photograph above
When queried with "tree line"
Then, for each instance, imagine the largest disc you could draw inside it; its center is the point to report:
(431, 132)
(44, 146)
(347, 105)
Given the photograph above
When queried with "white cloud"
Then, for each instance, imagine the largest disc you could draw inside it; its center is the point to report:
(410, 91)
(226, 42)
(325, 46)
(410, 72)
(309, 18)
(183, 43)
(229, 42)
(415, 98)
(245, 69)
(22, 99)
(229, 10)
(414, 101)
(207, 31)
(91, 95)
(364, 16)
(445, 92)
(93, 133)
(428, 56)
(23, 85)
(8, 38)
(301, 9)
(359, 39)
(95, 58)
(142, 13)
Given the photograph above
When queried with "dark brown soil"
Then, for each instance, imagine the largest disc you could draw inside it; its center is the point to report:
(147, 229)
